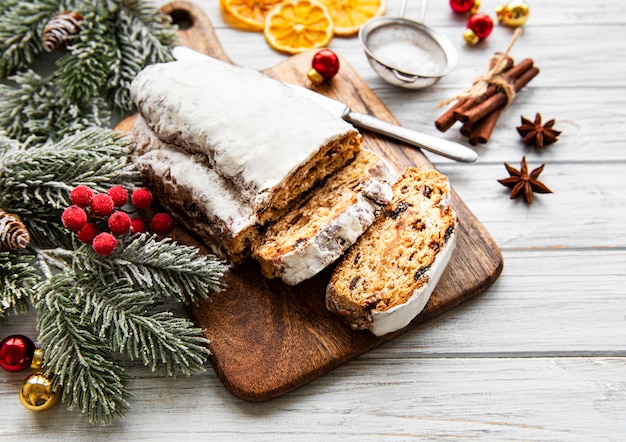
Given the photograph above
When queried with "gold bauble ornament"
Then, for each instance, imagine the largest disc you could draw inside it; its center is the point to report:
(36, 393)
(37, 361)
(470, 37)
(475, 7)
(315, 77)
(514, 13)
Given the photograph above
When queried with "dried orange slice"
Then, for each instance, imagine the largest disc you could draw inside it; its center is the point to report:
(295, 26)
(349, 15)
(247, 14)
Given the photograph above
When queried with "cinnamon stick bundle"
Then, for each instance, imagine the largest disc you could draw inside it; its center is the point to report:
(479, 113)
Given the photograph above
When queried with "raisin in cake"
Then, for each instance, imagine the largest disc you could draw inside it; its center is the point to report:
(387, 277)
(269, 141)
(327, 221)
(200, 199)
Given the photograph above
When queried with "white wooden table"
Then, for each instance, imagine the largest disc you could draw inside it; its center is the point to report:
(540, 356)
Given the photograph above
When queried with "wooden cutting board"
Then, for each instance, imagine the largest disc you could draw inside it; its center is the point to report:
(268, 338)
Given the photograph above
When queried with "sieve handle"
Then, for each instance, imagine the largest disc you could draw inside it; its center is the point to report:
(402, 8)
(407, 78)
(423, 11)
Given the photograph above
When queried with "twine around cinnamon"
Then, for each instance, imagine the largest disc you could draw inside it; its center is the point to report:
(493, 76)
(481, 105)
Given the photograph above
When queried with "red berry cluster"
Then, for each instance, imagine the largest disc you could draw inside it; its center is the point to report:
(93, 213)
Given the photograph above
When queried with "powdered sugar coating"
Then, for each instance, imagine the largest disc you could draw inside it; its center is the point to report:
(217, 197)
(255, 131)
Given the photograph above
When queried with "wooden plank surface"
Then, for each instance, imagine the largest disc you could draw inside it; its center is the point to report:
(539, 356)
(268, 338)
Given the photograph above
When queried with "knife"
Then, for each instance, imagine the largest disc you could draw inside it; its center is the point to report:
(445, 148)
(439, 146)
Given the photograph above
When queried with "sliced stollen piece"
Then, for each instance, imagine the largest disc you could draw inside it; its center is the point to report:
(257, 132)
(196, 196)
(327, 221)
(387, 277)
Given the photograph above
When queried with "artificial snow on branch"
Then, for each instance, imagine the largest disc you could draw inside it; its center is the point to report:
(117, 38)
(33, 113)
(17, 279)
(89, 315)
(160, 266)
(93, 310)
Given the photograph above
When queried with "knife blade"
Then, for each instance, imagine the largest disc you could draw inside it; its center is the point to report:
(445, 148)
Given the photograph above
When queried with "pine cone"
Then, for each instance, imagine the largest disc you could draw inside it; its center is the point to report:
(59, 28)
(13, 233)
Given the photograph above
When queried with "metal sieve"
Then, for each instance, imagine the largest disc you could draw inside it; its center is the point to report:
(405, 52)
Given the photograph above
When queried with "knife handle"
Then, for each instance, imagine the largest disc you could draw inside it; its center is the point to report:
(445, 148)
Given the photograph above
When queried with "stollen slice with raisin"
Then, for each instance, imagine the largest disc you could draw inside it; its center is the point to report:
(387, 277)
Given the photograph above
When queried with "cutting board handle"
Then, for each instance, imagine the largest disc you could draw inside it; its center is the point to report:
(195, 29)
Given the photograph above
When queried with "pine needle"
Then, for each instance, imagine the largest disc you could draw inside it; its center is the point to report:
(33, 113)
(117, 39)
(17, 279)
(92, 311)
(170, 270)
(76, 358)
(99, 307)
(21, 24)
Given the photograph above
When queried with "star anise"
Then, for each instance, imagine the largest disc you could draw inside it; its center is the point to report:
(523, 182)
(536, 133)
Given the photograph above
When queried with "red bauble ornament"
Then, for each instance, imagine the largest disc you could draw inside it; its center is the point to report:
(463, 6)
(324, 66)
(119, 195)
(104, 244)
(141, 198)
(81, 196)
(16, 353)
(74, 218)
(102, 205)
(162, 224)
(479, 26)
